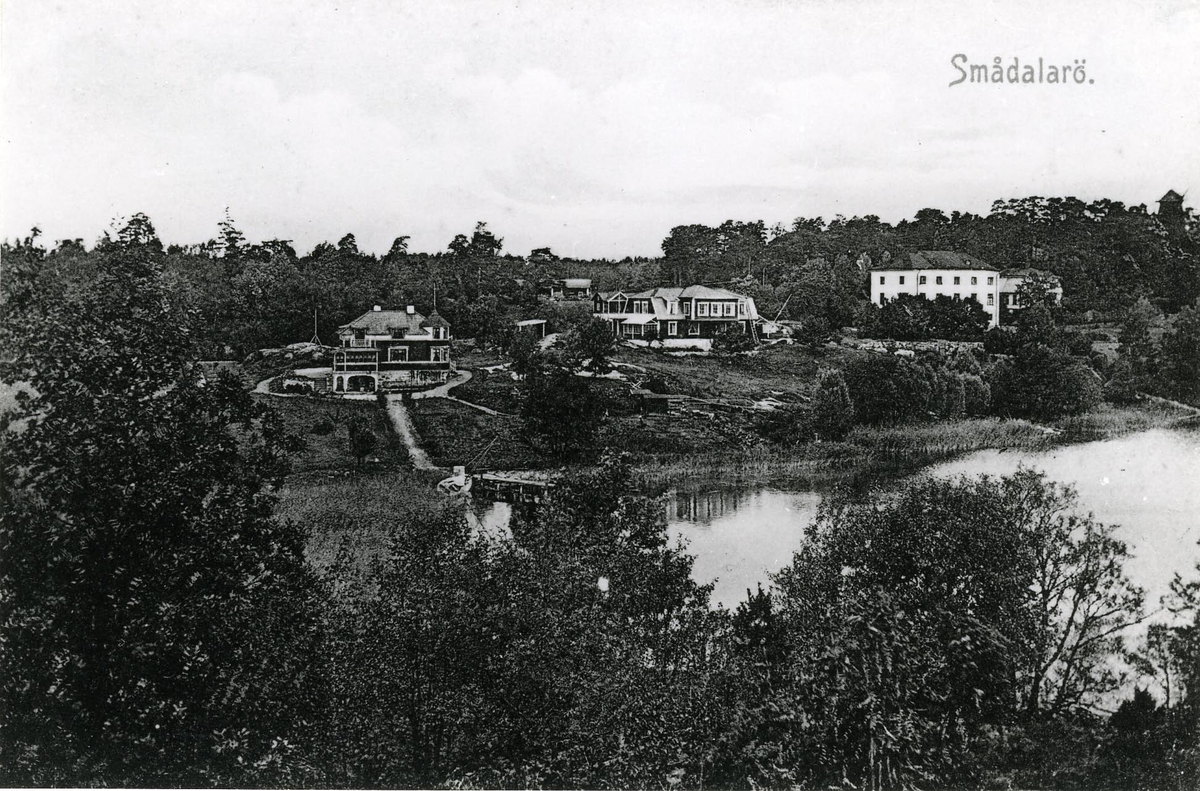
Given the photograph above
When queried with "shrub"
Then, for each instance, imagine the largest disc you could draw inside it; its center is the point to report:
(977, 396)
(322, 427)
(731, 340)
(789, 426)
(888, 389)
(1043, 384)
(832, 410)
(1001, 340)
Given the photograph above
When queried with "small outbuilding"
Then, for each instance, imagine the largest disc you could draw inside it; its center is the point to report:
(535, 327)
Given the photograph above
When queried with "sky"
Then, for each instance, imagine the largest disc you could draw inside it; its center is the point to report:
(591, 128)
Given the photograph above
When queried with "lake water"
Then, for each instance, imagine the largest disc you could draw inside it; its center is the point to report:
(1147, 483)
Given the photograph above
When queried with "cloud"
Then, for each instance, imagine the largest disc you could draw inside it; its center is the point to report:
(594, 127)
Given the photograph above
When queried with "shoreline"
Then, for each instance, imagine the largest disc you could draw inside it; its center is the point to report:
(899, 450)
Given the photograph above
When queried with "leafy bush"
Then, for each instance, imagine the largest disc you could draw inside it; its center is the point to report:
(977, 396)
(322, 428)
(731, 340)
(889, 389)
(911, 317)
(1043, 384)
(832, 410)
(560, 411)
(1001, 340)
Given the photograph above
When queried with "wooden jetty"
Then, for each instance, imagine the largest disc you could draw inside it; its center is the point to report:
(510, 488)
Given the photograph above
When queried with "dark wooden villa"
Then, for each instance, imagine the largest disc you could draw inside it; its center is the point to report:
(391, 350)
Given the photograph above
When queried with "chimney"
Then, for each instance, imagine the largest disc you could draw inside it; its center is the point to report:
(376, 308)
(409, 309)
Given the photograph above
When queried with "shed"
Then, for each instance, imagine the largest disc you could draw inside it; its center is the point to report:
(533, 326)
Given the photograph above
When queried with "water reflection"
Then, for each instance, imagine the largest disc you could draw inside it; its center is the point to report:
(702, 507)
(739, 537)
(1148, 483)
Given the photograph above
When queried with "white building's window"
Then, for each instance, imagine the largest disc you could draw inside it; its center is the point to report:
(922, 280)
(882, 280)
(938, 280)
(991, 300)
(989, 281)
(901, 279)
(883, 299)
(974, 281)
(672, 327)
(957, 280)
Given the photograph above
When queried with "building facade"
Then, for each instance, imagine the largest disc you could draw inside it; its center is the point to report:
(690, 316)
(571, 288)
(391, 350)
(934, 273)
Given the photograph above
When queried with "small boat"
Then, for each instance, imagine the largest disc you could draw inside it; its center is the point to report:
(458, 483)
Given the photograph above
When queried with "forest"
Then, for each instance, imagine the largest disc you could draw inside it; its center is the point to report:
(162, 626)
(239, 296)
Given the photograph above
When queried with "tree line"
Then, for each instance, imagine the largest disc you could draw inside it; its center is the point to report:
(239, 296)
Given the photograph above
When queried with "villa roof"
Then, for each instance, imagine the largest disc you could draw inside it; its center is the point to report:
(936, 259)
(708, 292)
(660, 299)
(382, 322)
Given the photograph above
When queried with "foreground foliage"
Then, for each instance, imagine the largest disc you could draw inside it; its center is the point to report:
(157, 625)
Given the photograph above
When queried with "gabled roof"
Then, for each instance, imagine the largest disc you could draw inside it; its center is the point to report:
(382, 322)
(435, 320)
(1029, 271)
(1171, 197)
(660, 299)
(935, 259)
(708, 292)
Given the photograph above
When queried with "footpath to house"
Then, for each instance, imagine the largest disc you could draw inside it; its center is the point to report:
(404, 429)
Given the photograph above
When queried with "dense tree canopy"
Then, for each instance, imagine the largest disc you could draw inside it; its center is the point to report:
(157, 624)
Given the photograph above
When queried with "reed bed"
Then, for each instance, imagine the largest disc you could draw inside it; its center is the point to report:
(359, 511)
(866, 451)
(1113, 421)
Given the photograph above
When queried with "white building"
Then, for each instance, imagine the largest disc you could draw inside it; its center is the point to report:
(933, 273)
(1012, 279)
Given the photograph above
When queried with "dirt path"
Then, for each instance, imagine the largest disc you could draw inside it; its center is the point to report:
(461, 377)
(404, 429)
(1168, 402)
